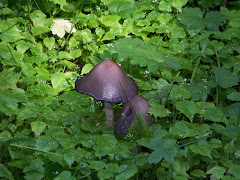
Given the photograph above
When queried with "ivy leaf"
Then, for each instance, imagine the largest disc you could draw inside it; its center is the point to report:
(38, 127)
(124, 9)
(225, 78)
(143, 54)
(192, 18)
(188, 108)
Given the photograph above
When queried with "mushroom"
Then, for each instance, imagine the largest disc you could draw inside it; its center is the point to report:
(107, 82)
(129, 113)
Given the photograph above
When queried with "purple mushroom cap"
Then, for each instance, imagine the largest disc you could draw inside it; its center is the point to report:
(128, 115)
(107, 82)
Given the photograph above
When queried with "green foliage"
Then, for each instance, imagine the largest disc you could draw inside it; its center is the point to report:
(184, 56)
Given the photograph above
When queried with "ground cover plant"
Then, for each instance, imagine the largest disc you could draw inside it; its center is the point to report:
(184, 56)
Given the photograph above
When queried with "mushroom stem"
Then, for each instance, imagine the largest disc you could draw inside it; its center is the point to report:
(109, 114)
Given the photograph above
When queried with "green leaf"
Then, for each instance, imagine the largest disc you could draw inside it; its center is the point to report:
(30, 111)
(36, 164)
(110, 20)
(126, 172)
(143, 54)
(65, 140)
(65, 175)
(213, 20)
(49, 42)
(162, 149)
(234, 96)
(234, 170)
(165, 5)
(86, 69)
(23, 46)
(58, 81)
(124, 9)
(5, 173)
(33, 175)
(11, 35)
(215, 115)
(179, 93)
(76, 53)
(46, 143)
(178, 4)
(225, 78)
(158, 110)
(192, 18)
(188, 108)
(198, 173)
(9, 106)
(203, 148)
(104, 144)
(8, 79)
(69, 158)
(38, 127)
(217, 171)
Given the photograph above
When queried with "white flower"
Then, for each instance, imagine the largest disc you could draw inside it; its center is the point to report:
(60, 26)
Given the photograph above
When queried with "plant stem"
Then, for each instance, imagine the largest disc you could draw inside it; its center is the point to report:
(109, 115)
(35, 149)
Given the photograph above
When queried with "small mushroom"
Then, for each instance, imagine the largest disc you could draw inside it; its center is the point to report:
(129, 114)
(107, 82)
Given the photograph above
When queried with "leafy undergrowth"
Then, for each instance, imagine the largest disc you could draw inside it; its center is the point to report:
(184, 56)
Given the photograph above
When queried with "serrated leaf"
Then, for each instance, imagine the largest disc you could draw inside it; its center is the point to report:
(124, 9)
(65, 140)
(234, 96)
(104, 144)
(143, 54)
(179, 93)
(234, 170)
(225, 78)
(158, 110)
(33, 175)
(126, 174)
(58, 81)
(46, 143)
(215, 115)
(65, 175)
(5, 173)
(69, 158)
(203, 148)
(35, 165)
(178, 4)
(188, 108)
(49, 42)
(38, 127)
(192, 18)
(217, 171)
(23, 46)
(213, 20)
(11, 35)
